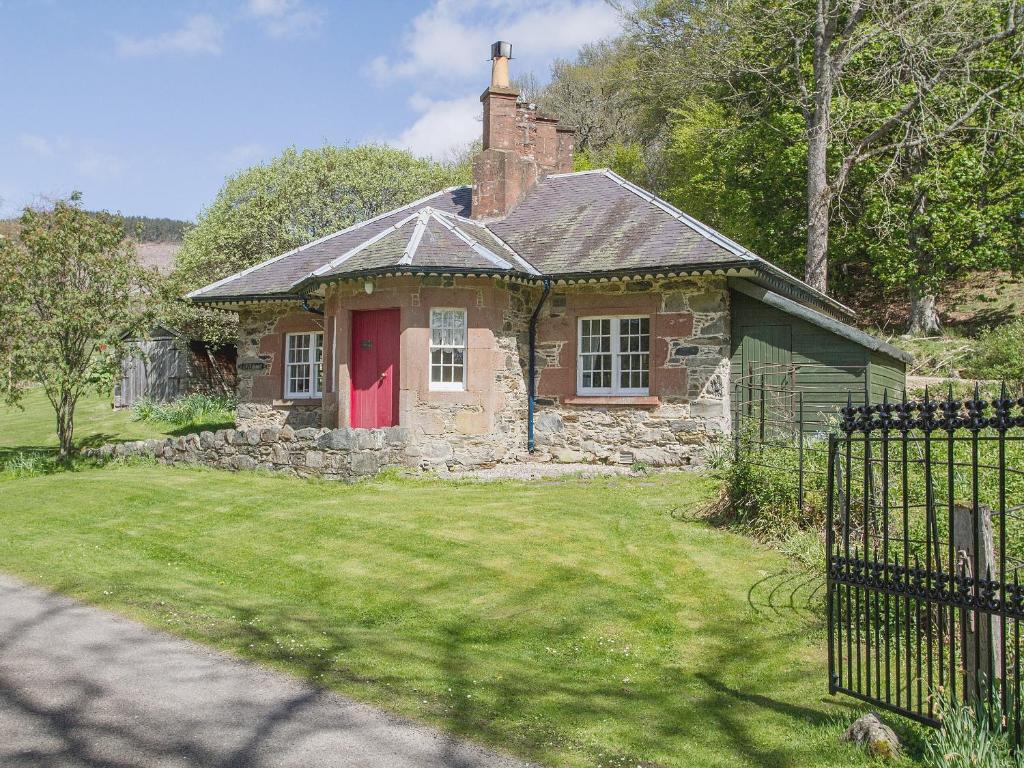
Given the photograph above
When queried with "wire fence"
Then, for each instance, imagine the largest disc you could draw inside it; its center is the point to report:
(780, 424)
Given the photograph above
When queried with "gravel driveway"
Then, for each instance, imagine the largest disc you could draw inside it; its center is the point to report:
(82, 687)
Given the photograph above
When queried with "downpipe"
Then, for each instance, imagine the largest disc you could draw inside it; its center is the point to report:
(532, 384)
(308, 308)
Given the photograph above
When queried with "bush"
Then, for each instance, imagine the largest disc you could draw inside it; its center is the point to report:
(762, 491)
(28, 464)
(999, 354)
(970, 737)
(186, 411)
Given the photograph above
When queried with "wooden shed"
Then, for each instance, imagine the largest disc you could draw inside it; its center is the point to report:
(165, 366)
(817, 358)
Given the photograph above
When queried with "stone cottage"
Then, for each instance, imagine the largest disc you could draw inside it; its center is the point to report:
(569, 316)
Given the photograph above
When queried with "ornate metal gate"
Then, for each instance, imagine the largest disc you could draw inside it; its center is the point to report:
(925, 540)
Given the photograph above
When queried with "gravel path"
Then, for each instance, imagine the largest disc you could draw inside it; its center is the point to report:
(85, 688)
(537, 471)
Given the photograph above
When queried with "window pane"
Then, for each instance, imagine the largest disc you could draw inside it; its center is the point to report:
(448, 343)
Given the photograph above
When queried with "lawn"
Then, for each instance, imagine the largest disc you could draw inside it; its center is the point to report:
(575, 622)
(32, 429)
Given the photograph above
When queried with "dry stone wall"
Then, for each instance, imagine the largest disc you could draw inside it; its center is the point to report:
(333, 454)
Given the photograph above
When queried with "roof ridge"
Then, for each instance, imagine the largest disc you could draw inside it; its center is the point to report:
(338, 261)
(422, 217)
(530, 269)
(304, 246)
(475, 245)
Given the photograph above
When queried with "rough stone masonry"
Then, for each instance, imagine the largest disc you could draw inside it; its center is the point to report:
(333, 454)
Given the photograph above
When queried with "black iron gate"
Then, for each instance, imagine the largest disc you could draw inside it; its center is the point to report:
(925, 540)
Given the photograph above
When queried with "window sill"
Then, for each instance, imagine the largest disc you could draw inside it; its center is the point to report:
(299, 401)
(640, 400)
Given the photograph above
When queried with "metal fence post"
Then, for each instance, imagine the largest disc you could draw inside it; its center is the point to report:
(800, 450)
(737, 421)
(762, 411)
(833, 671)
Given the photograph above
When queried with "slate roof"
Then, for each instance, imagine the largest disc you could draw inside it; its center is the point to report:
(276, 277)
(594, 222)
(568, 226)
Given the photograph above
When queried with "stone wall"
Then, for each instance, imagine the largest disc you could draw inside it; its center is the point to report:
(339, 454)
(688, 405)
(486, 423)
(481, 424)
(261, 338)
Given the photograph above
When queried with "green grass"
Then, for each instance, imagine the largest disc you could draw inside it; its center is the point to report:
(576, 623)
(28, 435)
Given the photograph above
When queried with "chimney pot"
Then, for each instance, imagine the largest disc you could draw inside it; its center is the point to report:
(501, 52)
(501, 49)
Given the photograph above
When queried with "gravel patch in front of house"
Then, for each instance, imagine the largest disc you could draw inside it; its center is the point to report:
(536, 471)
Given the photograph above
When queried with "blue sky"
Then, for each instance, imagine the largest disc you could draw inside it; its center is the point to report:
(146, 106)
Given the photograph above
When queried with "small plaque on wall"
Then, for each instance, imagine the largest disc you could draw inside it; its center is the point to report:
(252, 365)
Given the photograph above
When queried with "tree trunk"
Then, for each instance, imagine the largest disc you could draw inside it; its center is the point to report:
(66, 427)
(819, 199)
(819, 123)
(924, 315)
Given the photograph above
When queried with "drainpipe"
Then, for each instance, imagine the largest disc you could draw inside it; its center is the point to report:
(314, 310)
(532, 384)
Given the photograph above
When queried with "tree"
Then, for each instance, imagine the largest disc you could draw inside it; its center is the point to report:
(70, 288)
(912, 59)
(297, 197)
(957, 210)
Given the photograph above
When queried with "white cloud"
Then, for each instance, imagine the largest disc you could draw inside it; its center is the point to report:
(201, 33)
(442, 128)
(287, 18)
(451, 39)
(97, 164)
(37, 145)
(85, 157)
(241, 156)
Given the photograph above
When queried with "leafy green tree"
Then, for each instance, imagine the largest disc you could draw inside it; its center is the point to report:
(70, 288)
(297, 197)
(742, 177)
(924, 66)
(959, 209)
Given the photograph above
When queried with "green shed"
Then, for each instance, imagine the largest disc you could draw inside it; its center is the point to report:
(801, 354)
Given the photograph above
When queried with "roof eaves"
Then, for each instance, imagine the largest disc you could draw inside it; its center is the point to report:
(734, 267)
(247, 297)
(358, 225)
(414, 270)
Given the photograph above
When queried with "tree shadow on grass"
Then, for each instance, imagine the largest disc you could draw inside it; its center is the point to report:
(45, 459)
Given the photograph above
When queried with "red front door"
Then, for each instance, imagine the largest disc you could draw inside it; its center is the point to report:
(375, 341)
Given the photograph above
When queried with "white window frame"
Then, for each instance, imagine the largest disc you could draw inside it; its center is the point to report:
(314, 367)
(447, 386)
(616, 353)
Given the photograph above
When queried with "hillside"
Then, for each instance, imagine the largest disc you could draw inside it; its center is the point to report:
(145, 229)
(970, 308)
(159, 239)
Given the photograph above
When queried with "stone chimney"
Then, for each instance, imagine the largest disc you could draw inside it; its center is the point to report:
(520, 145)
